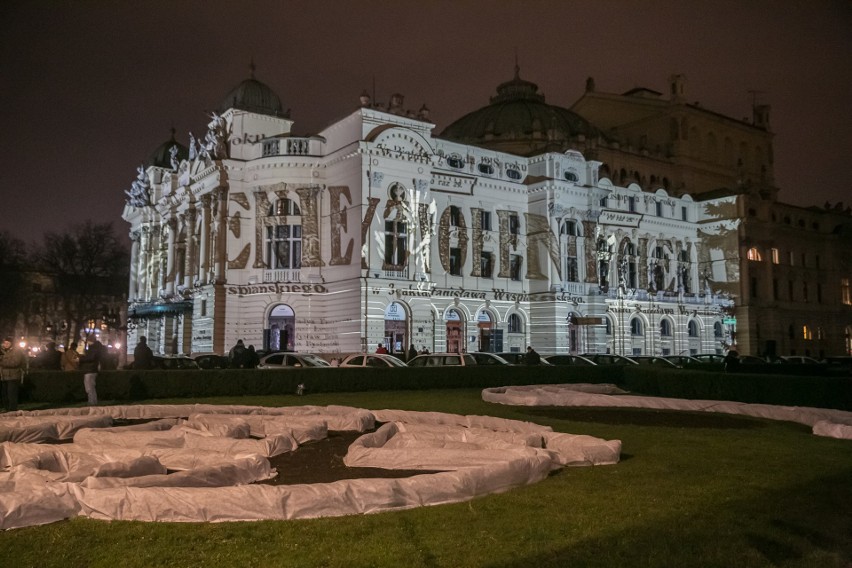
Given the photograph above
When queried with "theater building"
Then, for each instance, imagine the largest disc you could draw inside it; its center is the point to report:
(378, 230)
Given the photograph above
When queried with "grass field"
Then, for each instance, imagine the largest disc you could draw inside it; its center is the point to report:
(691, 490)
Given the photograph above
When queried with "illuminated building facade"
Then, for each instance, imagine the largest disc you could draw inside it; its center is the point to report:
(378, 231)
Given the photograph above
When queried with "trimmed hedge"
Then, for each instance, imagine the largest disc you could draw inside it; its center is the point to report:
(57, 387)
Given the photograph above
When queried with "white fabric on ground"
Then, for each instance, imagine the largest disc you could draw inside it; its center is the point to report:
(823, 421)
(199, 462)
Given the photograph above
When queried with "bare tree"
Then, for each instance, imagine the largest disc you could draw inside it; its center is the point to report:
(89, 265)
(13, 291)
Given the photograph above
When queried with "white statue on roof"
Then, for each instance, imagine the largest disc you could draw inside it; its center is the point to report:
(140, 190)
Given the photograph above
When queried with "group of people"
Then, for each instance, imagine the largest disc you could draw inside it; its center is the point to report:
(242, 357)
(14, 365)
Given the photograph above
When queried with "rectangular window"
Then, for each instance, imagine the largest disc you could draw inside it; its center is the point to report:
(774, 288)
(571, 273)
(790, 255)
(683, 214)
(845, 292)
(659, 207)
(753, 287)
(631, 204)
(455, 261)
(486, 264)
(284, 246)
(455, 216)
(395, 243)
(805, 291)
(514, 225)
(515, 263)
(204, 308)
(604, 201)
(775, 256)
(485, 220)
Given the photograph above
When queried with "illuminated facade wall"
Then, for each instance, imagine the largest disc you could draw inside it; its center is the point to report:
(377, 232)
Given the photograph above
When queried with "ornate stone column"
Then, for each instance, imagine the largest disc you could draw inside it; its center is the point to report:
(170, 257)
(189, 252)
(132, 292)
(204, 256)
(220, 248)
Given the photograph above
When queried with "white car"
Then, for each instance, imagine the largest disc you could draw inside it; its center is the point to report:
(283, 360)
(443, 360)
(381, 360)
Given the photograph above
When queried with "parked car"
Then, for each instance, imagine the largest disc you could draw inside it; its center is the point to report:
(799, 359)
(173, 362)
(655, 361)
(751, 360)
(443, 360)
(608, 359)
(518, 358)
(710, 358)
(380, 360)
(483, 358)
(683, 360)
(560, 360)
(282, 360)
(211, 360)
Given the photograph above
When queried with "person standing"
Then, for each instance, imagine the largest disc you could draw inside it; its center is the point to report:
(237, 355)
(90, 363)
(70, 358)
(381, 349)
(143, 357)
(412, 352)
(532, 358)
(13, 367)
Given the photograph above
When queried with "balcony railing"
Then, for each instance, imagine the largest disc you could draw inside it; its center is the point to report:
(287, 147)
(282, 275)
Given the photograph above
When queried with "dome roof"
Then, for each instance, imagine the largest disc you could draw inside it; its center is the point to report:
(516, 117)
(162, 157)
(253, 96)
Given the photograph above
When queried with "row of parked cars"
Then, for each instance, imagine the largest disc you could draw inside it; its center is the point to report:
(291, 360)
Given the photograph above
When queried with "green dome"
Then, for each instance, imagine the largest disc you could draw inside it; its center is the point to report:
(162, 157)
(518, 119)
(253, 96)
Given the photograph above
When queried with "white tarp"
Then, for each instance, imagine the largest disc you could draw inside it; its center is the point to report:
(199, 462)
(823, 421)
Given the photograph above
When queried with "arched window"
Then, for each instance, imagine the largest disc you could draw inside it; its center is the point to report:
(569, 228)
(636, 327)
(692, 328)
(754, 254)
(515, 324)
(608, 326)
(665, 328)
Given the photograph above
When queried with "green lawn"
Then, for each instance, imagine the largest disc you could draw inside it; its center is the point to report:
(691, 490)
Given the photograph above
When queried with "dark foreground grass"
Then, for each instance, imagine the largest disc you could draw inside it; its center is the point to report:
(691, 490)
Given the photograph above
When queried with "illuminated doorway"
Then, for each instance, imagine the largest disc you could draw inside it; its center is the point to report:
(455, 331)
(280, 332)
(396, 328)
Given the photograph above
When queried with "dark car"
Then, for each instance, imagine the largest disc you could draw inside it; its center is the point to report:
(655, 361)
(211, 361)
(608, 359)
(561, 360)
(173, 362)
(683, 360)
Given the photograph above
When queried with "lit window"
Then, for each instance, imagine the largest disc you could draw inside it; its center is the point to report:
(396, 237)
(807, 334)
(776, 259)
(845, 292)
(284, 246)
(754, 254)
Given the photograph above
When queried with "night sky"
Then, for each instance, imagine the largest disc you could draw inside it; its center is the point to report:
(90, 89)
